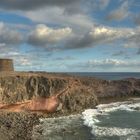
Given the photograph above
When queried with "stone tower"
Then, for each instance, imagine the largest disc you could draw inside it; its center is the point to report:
(6, 65)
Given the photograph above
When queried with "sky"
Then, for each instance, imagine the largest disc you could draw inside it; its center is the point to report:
(71, 35)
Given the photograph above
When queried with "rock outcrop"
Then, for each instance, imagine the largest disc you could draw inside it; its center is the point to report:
(84, 93)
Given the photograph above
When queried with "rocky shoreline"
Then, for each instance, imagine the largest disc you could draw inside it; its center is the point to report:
(85, 93)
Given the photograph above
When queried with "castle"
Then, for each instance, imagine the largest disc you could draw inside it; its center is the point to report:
(6, 65)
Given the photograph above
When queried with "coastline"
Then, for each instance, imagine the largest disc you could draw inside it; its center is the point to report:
(117, 99)
(19, 125)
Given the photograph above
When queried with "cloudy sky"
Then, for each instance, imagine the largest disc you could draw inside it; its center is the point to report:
(71, 35)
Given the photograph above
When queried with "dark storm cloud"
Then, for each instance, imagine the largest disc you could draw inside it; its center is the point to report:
(33, 4)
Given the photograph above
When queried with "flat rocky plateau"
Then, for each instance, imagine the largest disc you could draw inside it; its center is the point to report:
(85, 92)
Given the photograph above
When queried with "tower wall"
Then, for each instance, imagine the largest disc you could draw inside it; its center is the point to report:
(6, 65)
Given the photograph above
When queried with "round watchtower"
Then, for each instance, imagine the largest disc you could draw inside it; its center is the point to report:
(6, 65)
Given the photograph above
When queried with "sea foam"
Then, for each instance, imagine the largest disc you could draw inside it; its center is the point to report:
(90, 118)
(58, 128)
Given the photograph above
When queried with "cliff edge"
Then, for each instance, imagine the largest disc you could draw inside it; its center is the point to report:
(84, 93)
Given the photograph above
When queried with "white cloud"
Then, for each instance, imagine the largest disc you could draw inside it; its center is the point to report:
(8, 35)
(106, 62)
(60, 13)
(66, 58)
(104, 3)
(137, 19)
(104, 35)
(2, 45)
(56, 16)
(23, 62)
(120, 13)
(43, 35)
(108, 34)
(107, 65)
(133, 41)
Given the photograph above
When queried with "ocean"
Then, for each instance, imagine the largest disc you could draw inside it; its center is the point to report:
(108, 75)
(114, 121)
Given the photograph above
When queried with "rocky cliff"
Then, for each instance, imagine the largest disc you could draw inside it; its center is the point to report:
(84, 93)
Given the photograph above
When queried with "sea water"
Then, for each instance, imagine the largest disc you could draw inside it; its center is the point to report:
(115, 121)
(108, 75)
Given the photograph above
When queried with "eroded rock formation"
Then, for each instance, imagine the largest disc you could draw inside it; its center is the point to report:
(85, 92)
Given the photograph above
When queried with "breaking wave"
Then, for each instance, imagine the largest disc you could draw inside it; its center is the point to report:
(90, 118)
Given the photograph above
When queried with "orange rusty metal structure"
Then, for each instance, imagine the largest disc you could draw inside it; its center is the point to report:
(49, 105)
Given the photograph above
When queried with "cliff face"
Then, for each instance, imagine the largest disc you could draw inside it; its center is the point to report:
(84, 93)
(17, 87)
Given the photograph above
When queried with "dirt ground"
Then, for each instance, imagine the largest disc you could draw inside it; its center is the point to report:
(17, 126)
